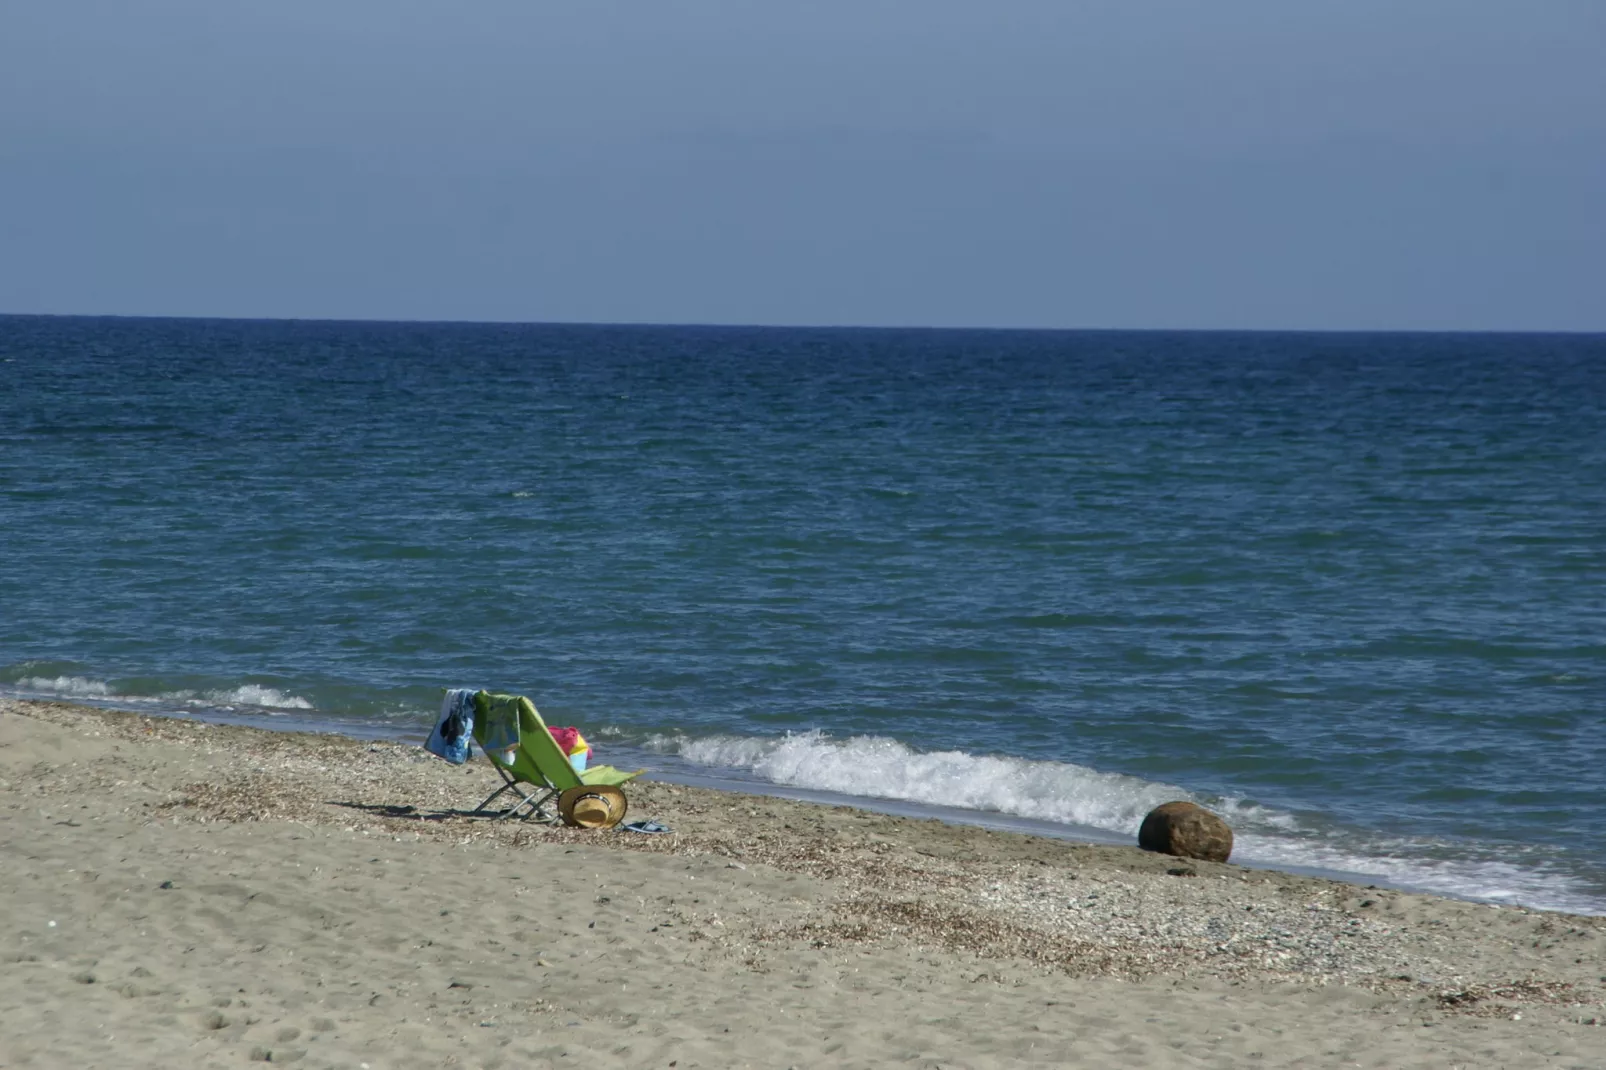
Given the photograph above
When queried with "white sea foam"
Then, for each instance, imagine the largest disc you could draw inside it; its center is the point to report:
(887, 769)
(1072, 794)
(75, 686)
(257, 695)
(83, 687)
(1402, 862)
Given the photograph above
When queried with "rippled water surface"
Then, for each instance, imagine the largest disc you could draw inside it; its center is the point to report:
(1348, 588)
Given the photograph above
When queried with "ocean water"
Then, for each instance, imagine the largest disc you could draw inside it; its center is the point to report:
(1348, 589)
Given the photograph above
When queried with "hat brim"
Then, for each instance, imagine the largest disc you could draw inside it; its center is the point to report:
(610, 796)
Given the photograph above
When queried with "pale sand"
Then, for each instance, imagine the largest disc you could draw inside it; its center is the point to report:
(176, 894)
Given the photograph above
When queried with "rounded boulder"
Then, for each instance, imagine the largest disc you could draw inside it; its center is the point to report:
(1186, 830)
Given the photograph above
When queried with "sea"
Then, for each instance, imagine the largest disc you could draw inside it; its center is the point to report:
(1347, 590)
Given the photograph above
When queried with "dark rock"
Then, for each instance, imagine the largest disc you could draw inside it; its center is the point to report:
(1187, 831)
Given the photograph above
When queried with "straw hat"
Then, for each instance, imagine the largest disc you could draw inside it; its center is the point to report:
(592, 806)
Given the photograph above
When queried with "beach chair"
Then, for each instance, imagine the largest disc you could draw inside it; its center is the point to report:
(537, 773)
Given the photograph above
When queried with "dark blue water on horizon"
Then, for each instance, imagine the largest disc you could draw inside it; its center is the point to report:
(1346, 588)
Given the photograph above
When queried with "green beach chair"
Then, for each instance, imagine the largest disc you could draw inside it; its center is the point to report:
(535, 770)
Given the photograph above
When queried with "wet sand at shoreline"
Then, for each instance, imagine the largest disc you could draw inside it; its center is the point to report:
(176, 893)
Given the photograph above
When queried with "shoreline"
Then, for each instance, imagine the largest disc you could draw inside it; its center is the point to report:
(309, 722)
(169, 860)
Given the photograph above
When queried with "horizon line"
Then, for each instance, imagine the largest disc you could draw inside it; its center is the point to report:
(736, 326)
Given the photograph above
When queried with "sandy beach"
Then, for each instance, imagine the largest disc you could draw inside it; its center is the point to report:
(179, 894)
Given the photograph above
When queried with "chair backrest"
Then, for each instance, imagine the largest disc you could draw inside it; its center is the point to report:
(539, 759)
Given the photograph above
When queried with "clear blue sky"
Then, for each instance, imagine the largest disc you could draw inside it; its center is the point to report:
(1322, 164)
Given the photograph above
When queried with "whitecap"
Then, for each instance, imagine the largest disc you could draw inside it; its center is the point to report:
(75, 686)
(257, 695)
(887, 769)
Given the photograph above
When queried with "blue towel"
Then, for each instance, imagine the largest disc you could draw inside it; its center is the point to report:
(452, 737)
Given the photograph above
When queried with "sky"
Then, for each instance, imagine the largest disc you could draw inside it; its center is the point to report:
(1328, 164)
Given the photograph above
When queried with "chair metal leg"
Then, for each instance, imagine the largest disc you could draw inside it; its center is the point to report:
(492, 797)
(536, 800)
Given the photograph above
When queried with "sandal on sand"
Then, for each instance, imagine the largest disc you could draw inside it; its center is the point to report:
(652, 827)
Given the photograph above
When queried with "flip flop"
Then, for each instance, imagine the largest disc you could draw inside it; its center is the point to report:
(650, 827)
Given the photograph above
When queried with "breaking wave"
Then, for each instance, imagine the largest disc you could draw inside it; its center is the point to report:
(255, 695)
(70, 686)
(81, 687)
(1079, 796)
(887, 769)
